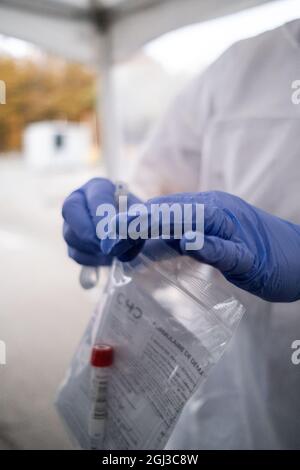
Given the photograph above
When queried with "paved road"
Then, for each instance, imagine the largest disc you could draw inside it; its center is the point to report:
(43, 311)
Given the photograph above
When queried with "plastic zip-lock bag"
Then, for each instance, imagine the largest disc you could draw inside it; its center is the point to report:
(167, 326)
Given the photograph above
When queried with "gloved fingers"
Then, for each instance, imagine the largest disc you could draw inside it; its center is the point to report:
(76, 215)
(70, 237)
(230, 258)
(181, 198)
(131, 253)
(210, 198)
(100, 199)
(217, 222)
(121, 238)
(81, 251)
(96, 192)
(130, 229)
(115, 246)
(87, 259)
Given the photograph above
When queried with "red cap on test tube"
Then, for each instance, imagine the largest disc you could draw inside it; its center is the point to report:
(102, 355)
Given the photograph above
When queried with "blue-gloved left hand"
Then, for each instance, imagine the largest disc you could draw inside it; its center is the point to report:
(254, 250)
(80, 222)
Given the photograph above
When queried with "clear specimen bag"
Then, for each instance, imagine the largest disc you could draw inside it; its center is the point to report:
(167, 326)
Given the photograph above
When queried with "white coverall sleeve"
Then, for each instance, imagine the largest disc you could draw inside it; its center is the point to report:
(171, 160)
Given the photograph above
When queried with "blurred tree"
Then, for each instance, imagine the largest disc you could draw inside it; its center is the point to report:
(42, 90)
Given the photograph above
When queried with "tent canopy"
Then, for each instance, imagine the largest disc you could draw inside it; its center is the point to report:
(82, 29)
(103, 32)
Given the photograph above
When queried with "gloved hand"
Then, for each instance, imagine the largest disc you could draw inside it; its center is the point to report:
(80, 222)
(254, 250)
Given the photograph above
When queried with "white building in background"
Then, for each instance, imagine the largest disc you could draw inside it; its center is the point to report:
(56, 144)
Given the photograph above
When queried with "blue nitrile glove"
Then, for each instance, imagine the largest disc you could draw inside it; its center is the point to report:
(254, 250)
(80, 222)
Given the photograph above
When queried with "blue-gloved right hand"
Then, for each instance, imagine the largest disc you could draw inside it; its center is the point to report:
(254, 250)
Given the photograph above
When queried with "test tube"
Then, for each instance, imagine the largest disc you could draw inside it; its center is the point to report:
(89, 275)
(101, 360)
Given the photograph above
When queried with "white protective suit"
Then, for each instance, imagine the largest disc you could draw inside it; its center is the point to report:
(236, 129)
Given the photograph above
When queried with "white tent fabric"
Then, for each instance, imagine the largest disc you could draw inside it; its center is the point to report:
(60, 27)
(79, 29)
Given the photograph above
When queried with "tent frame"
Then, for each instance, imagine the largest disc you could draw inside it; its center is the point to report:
(102, 35)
